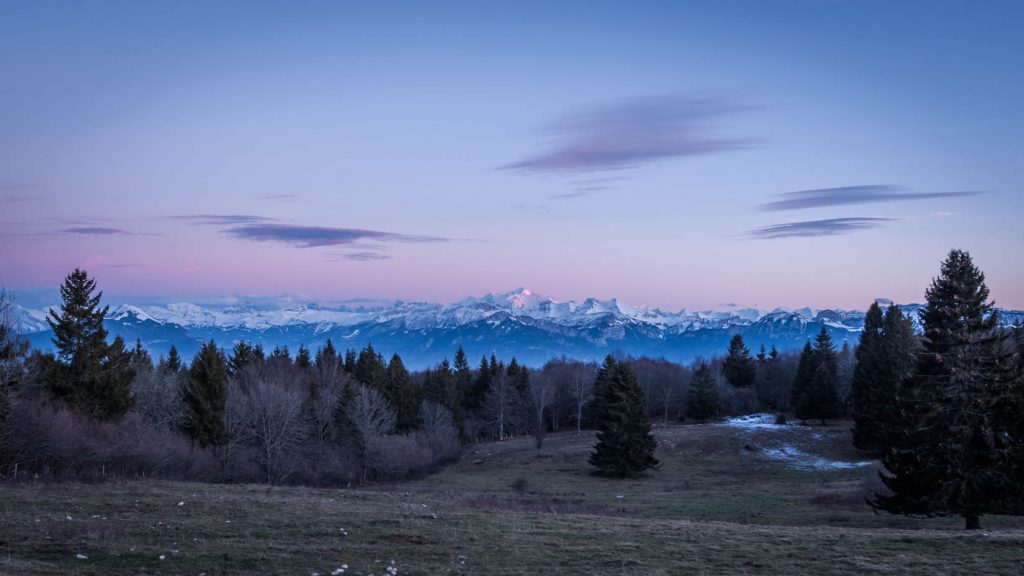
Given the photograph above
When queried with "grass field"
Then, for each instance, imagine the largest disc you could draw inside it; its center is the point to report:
(720, 504)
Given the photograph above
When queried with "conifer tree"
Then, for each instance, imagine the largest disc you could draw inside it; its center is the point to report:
(738, 367)
(402, 395)
(702, 397)
(173, 363)
(869, 383)
(141, 360)
(369, 368)
(204, 394)
(474, 400)
(463, 378)
(900, 360)
(346, 428)
(962, 428)
(281, 354)
(327, 353)
(625, 446)
(441, 386)
(243, 354)
(303, 359)
(818, 399)
(91, 376)
(803, 376)
(350, 361)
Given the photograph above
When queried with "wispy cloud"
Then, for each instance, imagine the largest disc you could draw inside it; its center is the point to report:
(943, 214)
(579, 193)
(359, 256)
(844, 195)
(314, 236)
(97, 231)
(810, 228)
(634, 132)
(220, 219)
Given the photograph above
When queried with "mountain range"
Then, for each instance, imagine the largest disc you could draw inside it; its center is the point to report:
(519, 323)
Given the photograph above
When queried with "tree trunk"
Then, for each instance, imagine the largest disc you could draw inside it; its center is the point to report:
(972, 522)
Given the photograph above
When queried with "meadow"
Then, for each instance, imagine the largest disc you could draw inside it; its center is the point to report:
(741, 498)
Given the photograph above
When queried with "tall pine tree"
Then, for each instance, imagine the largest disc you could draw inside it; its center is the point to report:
(91, 376)
(702, 397)
(952, 456)
(625, 446)
(869, 431)
(738, 367)
(402, 395)
(204, 394)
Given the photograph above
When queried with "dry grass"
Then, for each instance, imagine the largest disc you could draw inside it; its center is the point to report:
(715, 507)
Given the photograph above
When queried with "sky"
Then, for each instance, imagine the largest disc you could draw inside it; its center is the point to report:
(817, 153)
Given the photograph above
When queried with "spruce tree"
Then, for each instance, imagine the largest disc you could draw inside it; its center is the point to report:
(818, 399)
(803, 376)
(303, 359)
(900, 361)
(702, 397)
(738, 367)
(347, 430)
(173, 363)
(869, 432)
(141, 360)
(463, 379)
(243, 354)
(327, 354)
(956, 450)
(350, 361)
(91, 376)
(204, 394)
(474, 400)
(369, 368)
(402, 395)
(625, 446)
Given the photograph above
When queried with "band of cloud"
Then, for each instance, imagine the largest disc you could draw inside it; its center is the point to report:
(97, 231)
(634, 132)
(314, 236)
(811, 228)
(845, 195)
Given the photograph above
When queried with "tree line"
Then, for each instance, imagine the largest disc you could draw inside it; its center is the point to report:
(943, 409)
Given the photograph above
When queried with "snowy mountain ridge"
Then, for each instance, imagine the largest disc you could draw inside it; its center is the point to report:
(519, 322)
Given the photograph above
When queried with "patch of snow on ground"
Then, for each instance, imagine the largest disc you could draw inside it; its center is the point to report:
(796, 458)
(762, 421)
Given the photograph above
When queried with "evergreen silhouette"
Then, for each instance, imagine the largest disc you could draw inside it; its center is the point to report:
(477, 394)
(303, 359)
(173, 362)
(803, 376)
(402, 395)
(369, 368)
(815, 396)
(243, 354)
(958, 451)
(140, 358)
(702, 397)
(625, 445)
(90, 376)
(738, 367)
(204, 394)
(870, 383)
